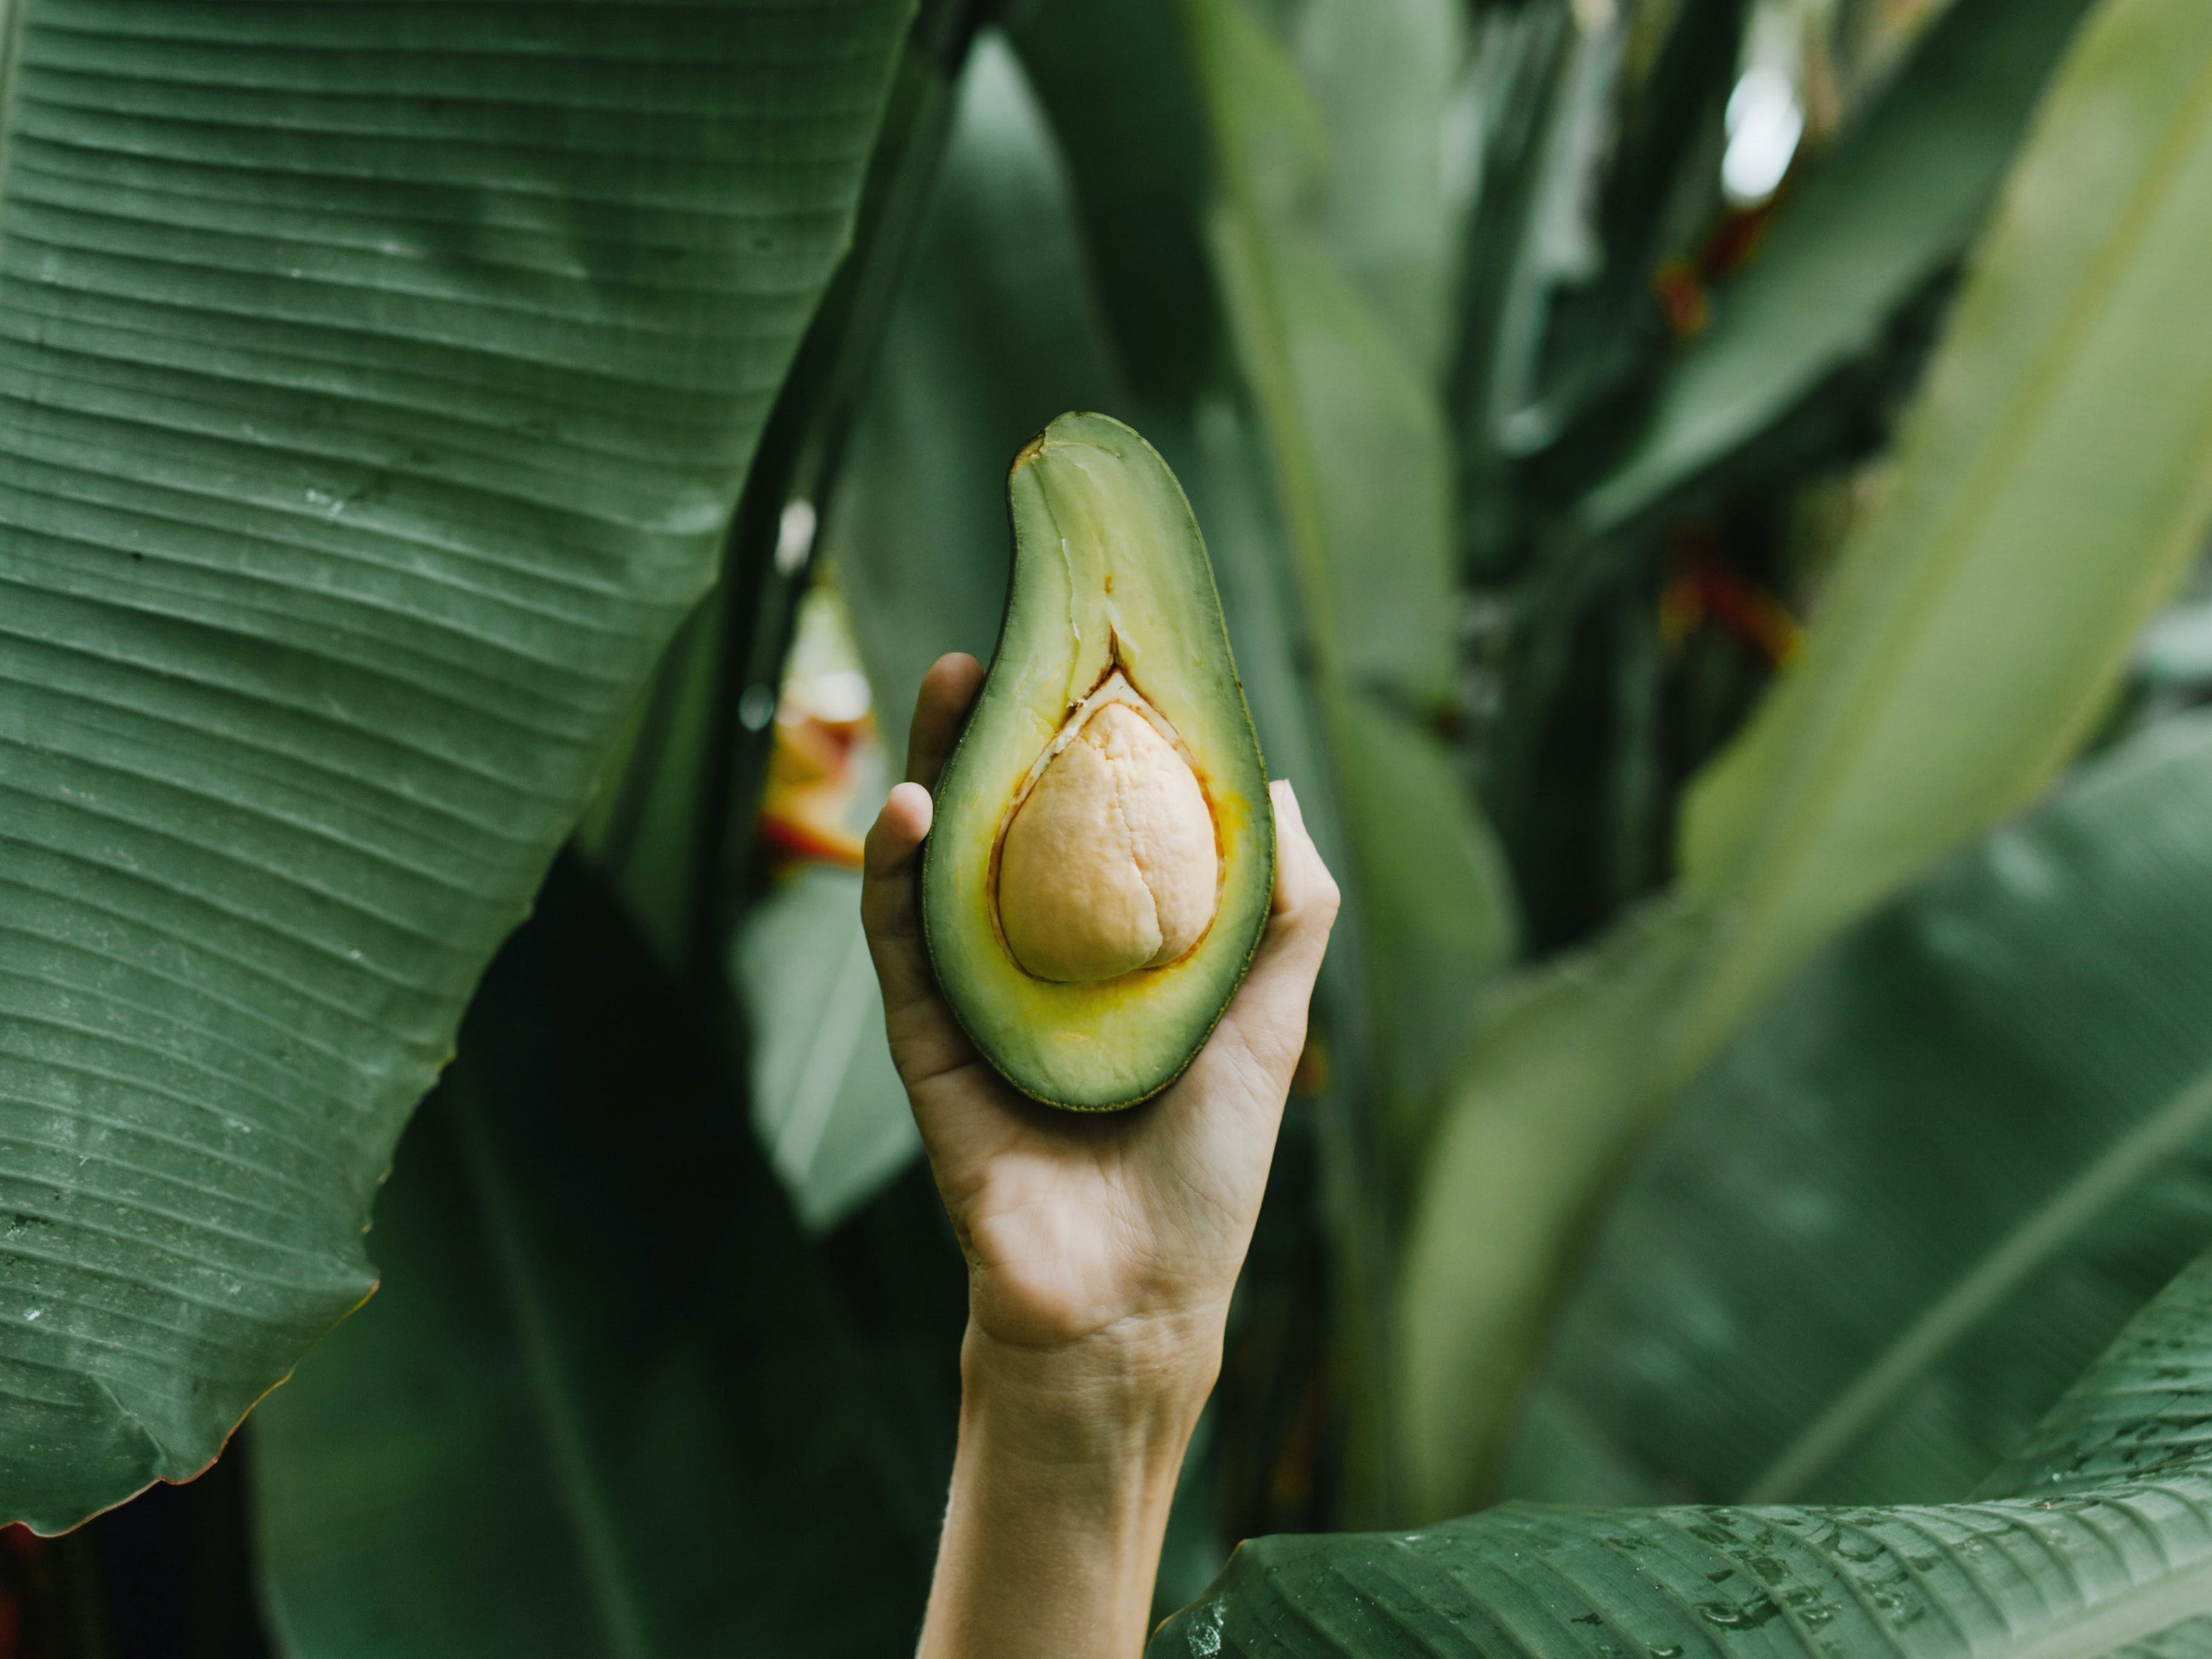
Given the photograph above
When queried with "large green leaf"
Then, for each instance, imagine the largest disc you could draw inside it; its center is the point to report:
(2049, 485)
(1437, 895)
(2111, 1544)
(2053, 480)
(1920, 1192)
(1387, 73)
(375, 382)
(1357, 443)
(2189, 1639)
(2137, 1417)
(602, 1404)
(1876, 222)
(1536, 1123)
(643, 828)
(1117, 83)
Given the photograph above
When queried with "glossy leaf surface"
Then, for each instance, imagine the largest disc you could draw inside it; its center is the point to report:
(375, 382)
(2120, 1552)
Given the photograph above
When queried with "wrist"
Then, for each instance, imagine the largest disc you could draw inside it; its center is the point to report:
(1066, 1470)
(1126, 1399)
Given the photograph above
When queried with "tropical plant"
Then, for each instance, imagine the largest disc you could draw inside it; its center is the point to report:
(2092, 1539)
(379, 382)
(1669, 552)
(1970, 637)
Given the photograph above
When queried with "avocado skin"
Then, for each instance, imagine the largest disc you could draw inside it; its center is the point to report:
(1108, 570)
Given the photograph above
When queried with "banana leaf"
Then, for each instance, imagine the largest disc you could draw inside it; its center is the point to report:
(1561, 1052)
(603, 1403)
(1920, 1192)
(643, 827)
(2096, 1536)
(2053, 483)
(2189, 1639)
(375, 384)
(1356, 441)
(1122, 98)
(1387, 75)
(2050, 486)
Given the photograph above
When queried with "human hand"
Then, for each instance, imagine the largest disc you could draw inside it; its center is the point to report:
(1119, 1236)
(1102, 1251)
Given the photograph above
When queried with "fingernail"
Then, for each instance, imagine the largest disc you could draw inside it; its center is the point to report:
(1287, 800)
(922, 804)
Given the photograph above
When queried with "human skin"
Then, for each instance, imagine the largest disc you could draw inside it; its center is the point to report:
(1101, 1254)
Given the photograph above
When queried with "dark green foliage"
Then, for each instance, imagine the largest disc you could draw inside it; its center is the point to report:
(1920, 1194)
(993, 335)
(604, 1401)
(1972, 627)
(1124, 104)
(376, 384)
(1816, 316)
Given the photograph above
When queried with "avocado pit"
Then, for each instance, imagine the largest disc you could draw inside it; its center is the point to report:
(1109, 861)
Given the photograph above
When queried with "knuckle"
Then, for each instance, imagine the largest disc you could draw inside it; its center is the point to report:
(1318, 907)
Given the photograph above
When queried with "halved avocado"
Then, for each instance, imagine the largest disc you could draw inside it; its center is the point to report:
(1098, 870)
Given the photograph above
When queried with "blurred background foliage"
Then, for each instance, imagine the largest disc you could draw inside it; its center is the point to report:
(1685, 478)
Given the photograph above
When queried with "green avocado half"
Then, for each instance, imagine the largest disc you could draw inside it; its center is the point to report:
(1111, 693)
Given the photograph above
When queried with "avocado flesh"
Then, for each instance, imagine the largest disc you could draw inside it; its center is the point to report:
(1112, 664)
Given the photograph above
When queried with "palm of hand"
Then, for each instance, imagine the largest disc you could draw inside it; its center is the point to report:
(1078, 1226)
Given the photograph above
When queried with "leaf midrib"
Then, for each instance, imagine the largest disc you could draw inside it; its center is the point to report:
(576, 1477)
(2032, 1241)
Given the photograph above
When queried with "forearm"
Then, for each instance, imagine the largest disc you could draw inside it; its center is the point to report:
(1061, 1488)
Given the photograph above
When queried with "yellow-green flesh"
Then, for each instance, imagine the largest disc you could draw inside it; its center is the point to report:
(1109, 568)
